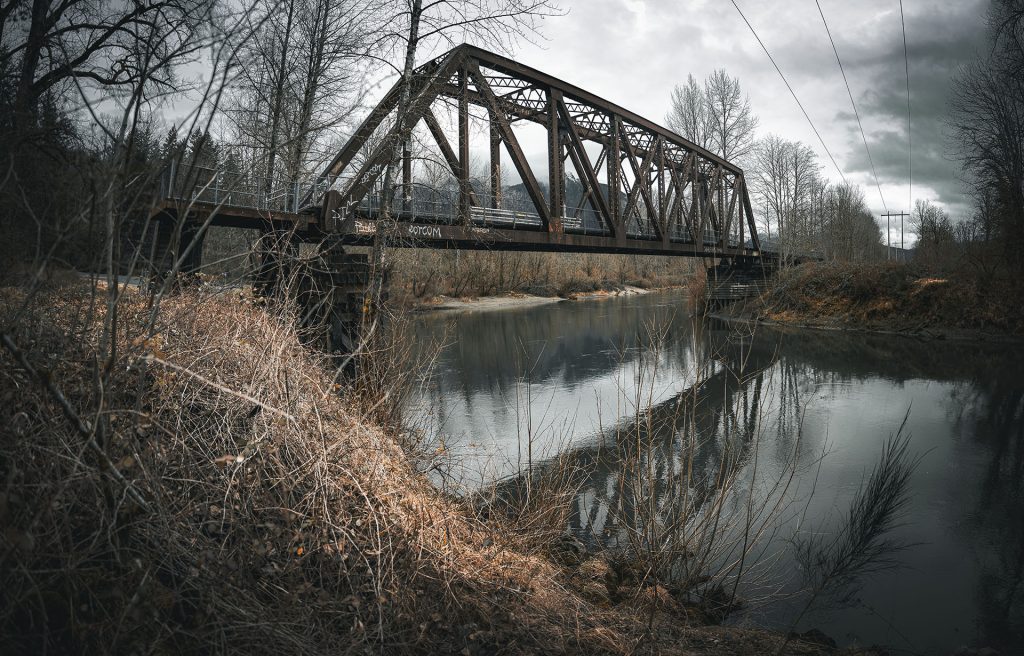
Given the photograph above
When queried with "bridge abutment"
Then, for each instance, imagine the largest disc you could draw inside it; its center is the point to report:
(737, 279)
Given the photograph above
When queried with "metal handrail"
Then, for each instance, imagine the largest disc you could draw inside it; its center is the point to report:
(425, 202)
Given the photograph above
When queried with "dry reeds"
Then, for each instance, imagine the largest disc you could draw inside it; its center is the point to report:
(271, 518)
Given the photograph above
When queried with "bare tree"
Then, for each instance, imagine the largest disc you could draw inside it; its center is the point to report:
(689, 114)
(332, 36)
(717, 116)
(298, 79)
(936, 235)
(103, 43)
(848, 229)
(787, 178)
(732, 119)
(987, 125)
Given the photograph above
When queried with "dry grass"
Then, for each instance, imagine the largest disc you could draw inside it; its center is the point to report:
(271, 517)
(894, 297)
(697, 291)
(424, 274)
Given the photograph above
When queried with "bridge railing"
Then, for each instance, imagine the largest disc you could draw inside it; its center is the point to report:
(418, 202)
(512, 210)
(235, 189)
(429, 204)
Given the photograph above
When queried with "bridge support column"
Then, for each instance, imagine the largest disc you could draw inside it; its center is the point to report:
(190, 247)
(276, 252)
(348, 276)
(168, 243)
(736, 279)
(328, 289)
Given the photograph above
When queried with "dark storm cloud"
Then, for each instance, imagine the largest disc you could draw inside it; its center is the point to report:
(939, 42)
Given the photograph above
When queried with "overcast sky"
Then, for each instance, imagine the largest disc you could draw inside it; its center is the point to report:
(633, 51)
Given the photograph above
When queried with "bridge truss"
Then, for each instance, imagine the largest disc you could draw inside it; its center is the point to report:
(615, 182)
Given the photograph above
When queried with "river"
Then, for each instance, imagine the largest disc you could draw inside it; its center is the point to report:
(795, 419)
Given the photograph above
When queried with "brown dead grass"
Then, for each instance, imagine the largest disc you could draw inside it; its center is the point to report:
(892, 297)
(419, 275)
(277, 520)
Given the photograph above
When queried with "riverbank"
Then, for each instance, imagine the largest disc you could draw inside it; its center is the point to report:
(200, 485)
(888, 298)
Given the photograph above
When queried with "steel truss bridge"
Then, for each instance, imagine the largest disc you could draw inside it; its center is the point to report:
(615, 181)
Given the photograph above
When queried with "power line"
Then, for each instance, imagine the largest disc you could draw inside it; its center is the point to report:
(793, 93)
(853, 104)
(910, 141)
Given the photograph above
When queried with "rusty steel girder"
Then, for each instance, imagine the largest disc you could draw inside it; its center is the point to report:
(638, 187)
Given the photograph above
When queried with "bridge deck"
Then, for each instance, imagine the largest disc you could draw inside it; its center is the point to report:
(488, 230)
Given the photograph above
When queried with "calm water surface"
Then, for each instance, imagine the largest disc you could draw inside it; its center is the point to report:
(518, 387)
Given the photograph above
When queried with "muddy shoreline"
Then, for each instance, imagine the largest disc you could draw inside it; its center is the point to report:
(515, 301)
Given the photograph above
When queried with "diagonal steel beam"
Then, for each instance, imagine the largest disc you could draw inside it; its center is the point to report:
(582, 162)
(754, 236)
(641, 175)
(706, 192)
(450, 157)
(428, 73)
(364, 179)
(512, 144)
(729, 213)
(585, 198)
(680, 182)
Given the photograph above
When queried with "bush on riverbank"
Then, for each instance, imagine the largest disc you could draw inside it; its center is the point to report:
(893, 297)
(200, 487)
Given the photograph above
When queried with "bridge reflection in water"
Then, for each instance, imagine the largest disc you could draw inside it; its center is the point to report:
(568, 372)
(668, 480)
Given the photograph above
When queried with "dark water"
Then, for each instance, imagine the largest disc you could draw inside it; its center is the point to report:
(518, 387)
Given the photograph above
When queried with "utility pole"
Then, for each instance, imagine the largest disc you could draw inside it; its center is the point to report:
(888, 215)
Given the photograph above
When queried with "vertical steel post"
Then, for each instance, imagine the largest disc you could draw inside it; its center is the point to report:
(614, 174)
(464, 186)
(495, 163)
(741, 188)
(662, 210)
(406, 176)
(556, 164)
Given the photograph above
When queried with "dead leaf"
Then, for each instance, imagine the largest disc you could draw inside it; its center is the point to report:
(224, 461)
